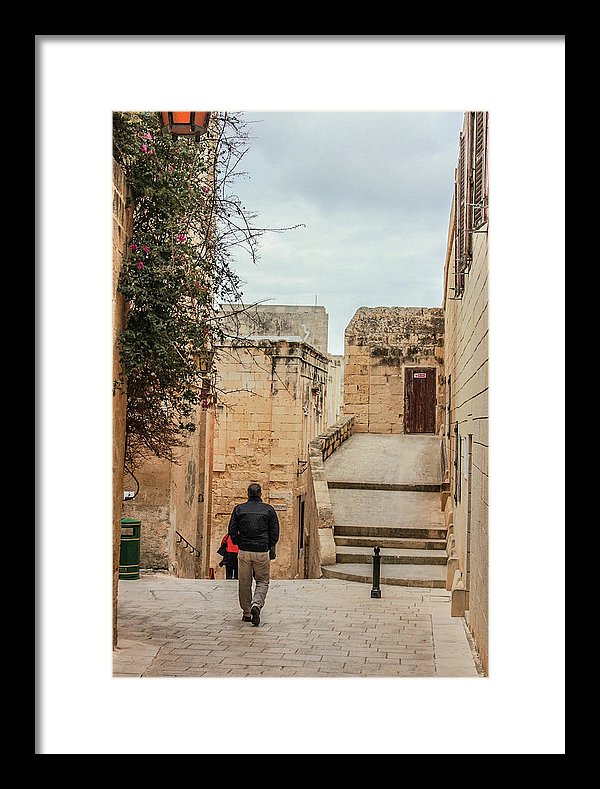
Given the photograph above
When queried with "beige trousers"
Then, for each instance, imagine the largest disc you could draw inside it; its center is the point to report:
(260, 563)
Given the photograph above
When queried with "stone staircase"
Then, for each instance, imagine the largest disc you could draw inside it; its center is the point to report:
(403, 519)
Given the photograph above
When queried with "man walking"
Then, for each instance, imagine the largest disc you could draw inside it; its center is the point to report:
(254, 528)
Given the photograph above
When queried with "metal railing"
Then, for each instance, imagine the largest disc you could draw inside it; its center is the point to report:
(192, 549)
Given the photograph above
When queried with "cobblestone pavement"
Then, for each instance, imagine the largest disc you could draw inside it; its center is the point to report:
(173, 627)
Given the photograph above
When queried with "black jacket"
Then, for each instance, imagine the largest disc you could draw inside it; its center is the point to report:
(254, 525)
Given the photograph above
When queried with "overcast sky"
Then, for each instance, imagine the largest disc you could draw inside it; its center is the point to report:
(373, 191)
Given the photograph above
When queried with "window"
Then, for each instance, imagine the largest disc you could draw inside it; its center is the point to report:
(470, 193)
(457, 470)
(480, 175)
(462, 187)
(448, 405)
(464, 460)
(300, 524)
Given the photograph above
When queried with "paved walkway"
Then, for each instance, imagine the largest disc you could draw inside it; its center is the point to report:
(384, 490)
(173, 627)
(386, 458)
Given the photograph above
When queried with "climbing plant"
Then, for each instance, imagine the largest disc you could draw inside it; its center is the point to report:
(177, 270)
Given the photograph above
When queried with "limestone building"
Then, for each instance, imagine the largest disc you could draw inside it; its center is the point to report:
(276, 393)
(271, 405)
(335, 389)
(310, 324)
(394, 361)
(465, 434)
(174, 505)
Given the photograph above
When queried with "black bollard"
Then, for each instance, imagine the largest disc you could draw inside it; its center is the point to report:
(376, 591)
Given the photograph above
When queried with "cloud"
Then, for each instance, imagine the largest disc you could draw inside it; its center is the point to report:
(374, 192)
(368, 159)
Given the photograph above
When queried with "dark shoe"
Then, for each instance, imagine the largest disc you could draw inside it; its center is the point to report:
(255, 615)
(246, 618)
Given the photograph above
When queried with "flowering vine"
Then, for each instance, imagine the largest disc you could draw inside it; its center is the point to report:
(170, 278)
(178, 269)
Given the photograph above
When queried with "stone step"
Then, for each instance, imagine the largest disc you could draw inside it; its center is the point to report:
(430, 576)
(392, 542)
(406, 530)
(358, 555)
(418, 487)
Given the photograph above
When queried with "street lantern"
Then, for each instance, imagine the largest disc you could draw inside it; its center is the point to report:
(185, 124)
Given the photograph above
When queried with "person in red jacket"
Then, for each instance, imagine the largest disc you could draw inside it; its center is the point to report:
(229, 551)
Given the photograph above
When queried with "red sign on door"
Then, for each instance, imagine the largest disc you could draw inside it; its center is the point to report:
(419, 375)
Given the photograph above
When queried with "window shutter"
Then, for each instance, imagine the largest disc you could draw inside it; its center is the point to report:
(458, 235)
(456, 463)
(466, 191)
(464, 226)
(480, 191)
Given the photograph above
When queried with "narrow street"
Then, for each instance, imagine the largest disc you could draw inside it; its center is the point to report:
(172, 627)
(385, 492)
(327, 627)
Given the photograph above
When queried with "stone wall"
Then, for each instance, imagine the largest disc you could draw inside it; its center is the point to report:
(379, 344)
(309, 324)
(335, 389)
(122, 220)
(191, 489)
(173, 502)
(466, 439)
(319, 510)
(467, 382)
(270, 407)
(151, 506)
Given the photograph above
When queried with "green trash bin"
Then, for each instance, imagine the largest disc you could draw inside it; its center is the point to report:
(129, 560)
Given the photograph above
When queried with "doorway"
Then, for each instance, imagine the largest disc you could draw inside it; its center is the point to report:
(419, 399)
(302, 555)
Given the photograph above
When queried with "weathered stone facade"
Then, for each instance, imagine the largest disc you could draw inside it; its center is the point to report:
(465, 501)
(174, 506)
(121, 232)
(272, 404)
(309, 324)
(151, 506)
(175, 500)
(380, 343)
(335, 389)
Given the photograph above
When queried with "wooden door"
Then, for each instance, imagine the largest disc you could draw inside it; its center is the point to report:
(419, 399)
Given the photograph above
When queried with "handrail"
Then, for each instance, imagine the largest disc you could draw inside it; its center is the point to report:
(443, 459)
(187, 544)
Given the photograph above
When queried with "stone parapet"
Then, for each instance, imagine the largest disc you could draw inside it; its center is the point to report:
(319, 510)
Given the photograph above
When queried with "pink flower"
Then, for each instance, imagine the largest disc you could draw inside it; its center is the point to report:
(181, 237)
(146, 248)
(133, 247)
(140, 265)
(148, 136)
(205, 189)
(144, 148)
